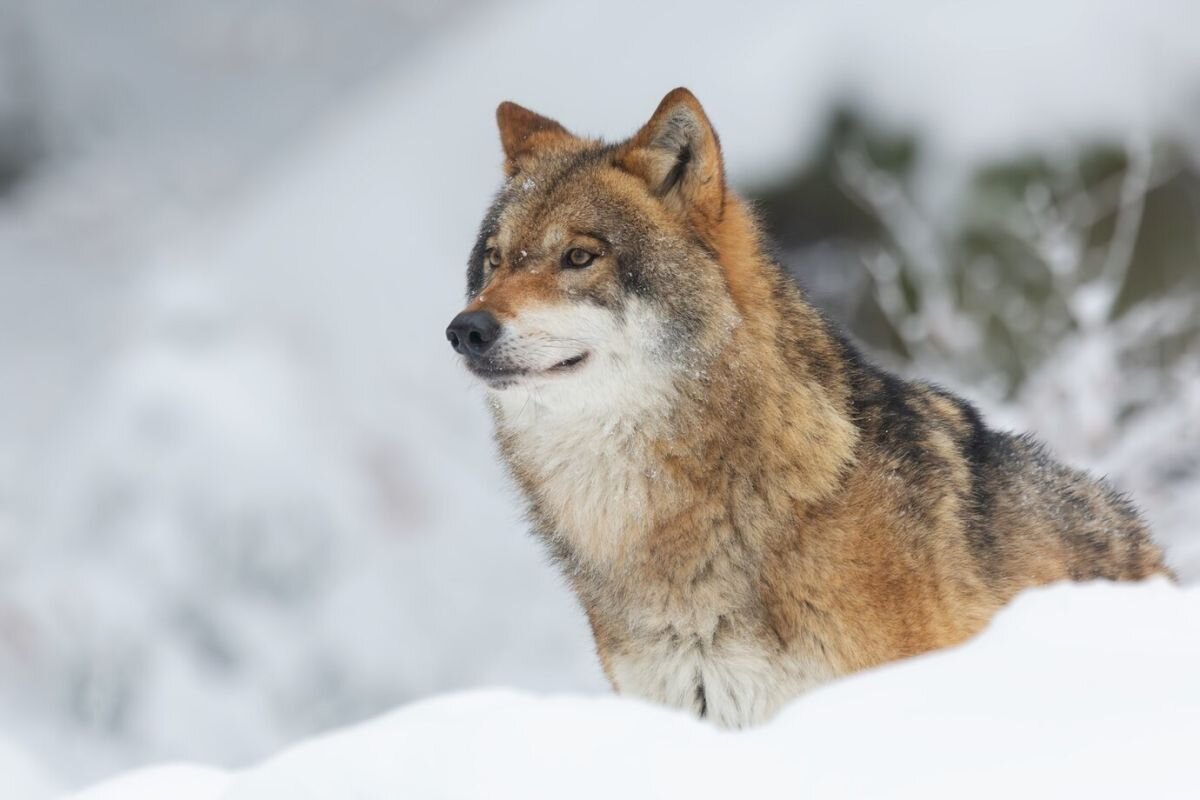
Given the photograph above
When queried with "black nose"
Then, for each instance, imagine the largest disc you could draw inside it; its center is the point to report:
(472, 333)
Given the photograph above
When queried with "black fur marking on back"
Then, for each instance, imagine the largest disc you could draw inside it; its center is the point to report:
(980, 447)
(884, 409)
(883, 401)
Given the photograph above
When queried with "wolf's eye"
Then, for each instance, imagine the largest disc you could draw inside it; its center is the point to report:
(577, 257)
(492, 257)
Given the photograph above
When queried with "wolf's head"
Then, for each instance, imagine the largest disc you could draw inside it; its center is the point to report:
(596, 276)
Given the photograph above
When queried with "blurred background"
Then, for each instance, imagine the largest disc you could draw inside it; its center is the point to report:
(246, 494)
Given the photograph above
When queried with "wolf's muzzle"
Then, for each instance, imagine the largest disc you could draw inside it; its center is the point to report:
(472, 333)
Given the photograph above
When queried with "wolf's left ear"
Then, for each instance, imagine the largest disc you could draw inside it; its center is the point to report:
(523, 132)
(678, 155)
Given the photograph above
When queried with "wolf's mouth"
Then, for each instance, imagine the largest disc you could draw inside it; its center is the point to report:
(568, 363)
(499, 377)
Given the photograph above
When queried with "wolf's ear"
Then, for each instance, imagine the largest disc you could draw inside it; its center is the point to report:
(678, 155)
(522, 133)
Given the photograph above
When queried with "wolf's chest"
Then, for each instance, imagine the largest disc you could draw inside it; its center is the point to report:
(591, 480)
(734, 682)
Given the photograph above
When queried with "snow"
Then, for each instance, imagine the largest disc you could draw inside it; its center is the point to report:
(24, 778)
(177, 781)
(1073, 691)
(250, 495)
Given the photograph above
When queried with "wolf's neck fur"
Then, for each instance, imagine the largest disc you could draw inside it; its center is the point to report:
(785, 391)
(601, 483)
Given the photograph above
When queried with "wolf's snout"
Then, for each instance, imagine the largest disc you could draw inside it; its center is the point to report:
(472, 333)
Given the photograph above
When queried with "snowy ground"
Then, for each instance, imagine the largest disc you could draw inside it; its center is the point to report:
(245, 492)
(1072, 692)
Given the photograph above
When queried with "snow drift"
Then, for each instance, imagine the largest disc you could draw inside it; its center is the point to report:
(1073, 691)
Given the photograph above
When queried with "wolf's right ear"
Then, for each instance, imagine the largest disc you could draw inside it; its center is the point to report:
(522, 133)
(678, 155)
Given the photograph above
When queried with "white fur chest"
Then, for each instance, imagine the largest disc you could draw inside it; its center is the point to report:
(591, 468)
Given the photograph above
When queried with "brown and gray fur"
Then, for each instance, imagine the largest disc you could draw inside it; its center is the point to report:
(744, 506)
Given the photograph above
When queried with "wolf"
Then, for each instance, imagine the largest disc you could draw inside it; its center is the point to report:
(744, 505)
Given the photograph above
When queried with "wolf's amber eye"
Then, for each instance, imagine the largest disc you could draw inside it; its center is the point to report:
(492, 257)
(577, 257)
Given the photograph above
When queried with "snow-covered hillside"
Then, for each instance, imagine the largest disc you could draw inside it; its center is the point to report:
(1073, 692)
(269, 504)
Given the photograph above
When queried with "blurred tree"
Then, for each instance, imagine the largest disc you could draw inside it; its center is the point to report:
(19, 129)
(1036, 248)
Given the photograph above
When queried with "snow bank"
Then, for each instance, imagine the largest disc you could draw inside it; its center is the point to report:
(1073, 691)
(174, 781)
